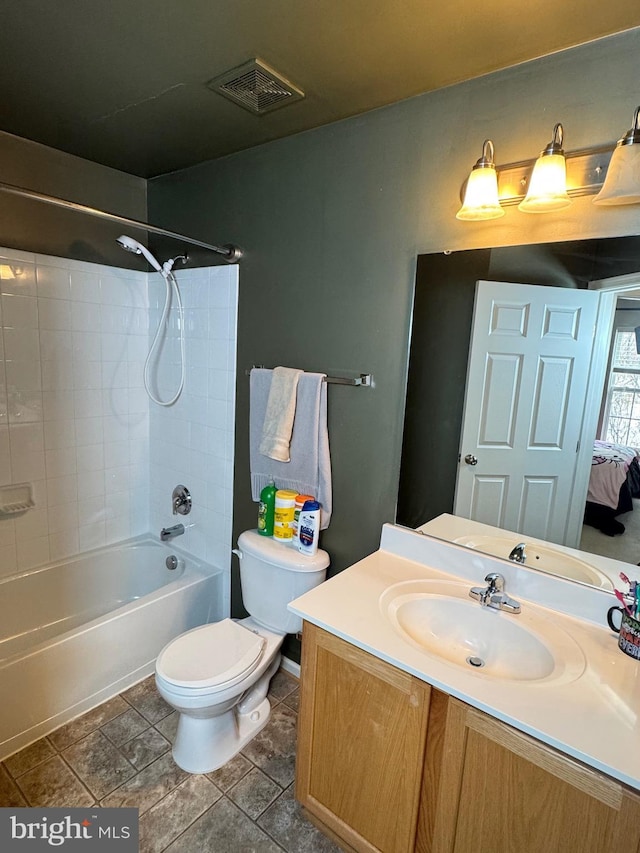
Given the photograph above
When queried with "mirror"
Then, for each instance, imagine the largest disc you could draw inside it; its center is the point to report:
(440, 338)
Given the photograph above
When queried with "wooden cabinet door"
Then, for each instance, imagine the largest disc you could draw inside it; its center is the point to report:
(501, 791)
(361, 736)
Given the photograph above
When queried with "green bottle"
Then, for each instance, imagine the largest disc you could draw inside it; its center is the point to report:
(266, 509)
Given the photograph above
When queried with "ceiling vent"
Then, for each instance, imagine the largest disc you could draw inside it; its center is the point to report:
(256, 87)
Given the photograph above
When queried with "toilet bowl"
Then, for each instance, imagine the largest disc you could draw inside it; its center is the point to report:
(217, 675)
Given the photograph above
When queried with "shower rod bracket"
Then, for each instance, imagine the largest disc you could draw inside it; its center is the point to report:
(234, 253)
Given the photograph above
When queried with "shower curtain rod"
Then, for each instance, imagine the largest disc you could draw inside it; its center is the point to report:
(229, 252)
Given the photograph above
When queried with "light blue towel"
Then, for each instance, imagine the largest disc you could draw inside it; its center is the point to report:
(309, 469)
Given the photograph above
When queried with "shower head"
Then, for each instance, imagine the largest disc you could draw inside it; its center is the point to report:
(132, 245)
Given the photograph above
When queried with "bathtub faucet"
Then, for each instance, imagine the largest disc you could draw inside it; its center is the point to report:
(170, 532)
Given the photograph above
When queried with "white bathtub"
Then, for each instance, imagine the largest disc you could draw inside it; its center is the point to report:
(78, 632)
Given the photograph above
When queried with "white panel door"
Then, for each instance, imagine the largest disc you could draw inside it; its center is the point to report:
(526, 384)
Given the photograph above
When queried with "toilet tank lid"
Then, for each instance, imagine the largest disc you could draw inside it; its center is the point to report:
(271, 551)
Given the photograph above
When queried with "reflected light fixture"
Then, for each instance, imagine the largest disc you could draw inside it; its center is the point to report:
(548, 186)
(9, 271)
(481, 192)
(622, 182)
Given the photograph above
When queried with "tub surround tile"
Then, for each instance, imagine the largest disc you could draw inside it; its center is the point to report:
(145, 748)
(99, 764)
(10, 795)
(151, 784)
(285, 822)
(214, 830)
(53, 784)
(145, 698)
(255, 793)
(167, 820)
(87, 723)
(273, 749)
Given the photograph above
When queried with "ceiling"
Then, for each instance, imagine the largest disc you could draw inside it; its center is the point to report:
(123, 82)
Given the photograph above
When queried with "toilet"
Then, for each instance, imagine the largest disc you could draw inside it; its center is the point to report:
(217, 675)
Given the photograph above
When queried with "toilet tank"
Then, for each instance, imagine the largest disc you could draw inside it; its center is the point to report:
(273, 574)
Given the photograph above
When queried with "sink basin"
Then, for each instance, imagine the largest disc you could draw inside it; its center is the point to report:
(440, 619)
(540, 557)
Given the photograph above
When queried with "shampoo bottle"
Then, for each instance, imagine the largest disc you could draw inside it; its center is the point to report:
(266, 509)
(309, 528)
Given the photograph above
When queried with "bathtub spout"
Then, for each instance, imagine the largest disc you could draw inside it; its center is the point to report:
(170, 532)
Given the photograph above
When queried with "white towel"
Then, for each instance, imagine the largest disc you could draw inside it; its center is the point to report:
(309, 471)
(281, 410)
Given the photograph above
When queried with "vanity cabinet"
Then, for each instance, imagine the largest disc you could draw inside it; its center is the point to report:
(497, 789)
(386, 763)
(361, 738)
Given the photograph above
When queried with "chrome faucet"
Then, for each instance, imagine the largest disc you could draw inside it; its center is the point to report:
(493, 595)
(518, 554)
(171, 532)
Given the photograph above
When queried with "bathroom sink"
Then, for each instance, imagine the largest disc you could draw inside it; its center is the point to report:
(440, 619)
(540, 557)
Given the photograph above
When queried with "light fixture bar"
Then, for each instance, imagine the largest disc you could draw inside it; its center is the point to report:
(586, 171)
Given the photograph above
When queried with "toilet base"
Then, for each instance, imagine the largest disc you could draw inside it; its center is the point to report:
(203, 745)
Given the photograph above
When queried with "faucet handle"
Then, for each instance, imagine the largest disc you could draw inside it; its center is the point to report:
(181, 500)
(495, 581)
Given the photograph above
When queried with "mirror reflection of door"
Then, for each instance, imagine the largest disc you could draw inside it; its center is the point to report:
(438, 358)
(523, 413)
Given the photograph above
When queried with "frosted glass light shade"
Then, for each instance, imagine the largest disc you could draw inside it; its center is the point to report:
(548, 186)
(622, 183)
(481, 196)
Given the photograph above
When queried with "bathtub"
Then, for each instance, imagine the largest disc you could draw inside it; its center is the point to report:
(79, 631)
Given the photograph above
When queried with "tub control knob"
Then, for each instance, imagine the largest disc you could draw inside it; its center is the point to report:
(181, 500)
(171, 562)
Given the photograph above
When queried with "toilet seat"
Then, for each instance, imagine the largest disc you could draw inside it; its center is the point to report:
(210, 658)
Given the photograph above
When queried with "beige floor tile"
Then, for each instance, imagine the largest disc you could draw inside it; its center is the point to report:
(99, 764)
(52, 784)
(255, 793)
(273, 749)
(148, 786)
(89, 722)
(224, 828)
(163, 823)
(145, 698)
(10, 795)
(29, 757)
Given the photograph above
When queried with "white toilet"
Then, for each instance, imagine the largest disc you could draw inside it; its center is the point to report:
(217, 676)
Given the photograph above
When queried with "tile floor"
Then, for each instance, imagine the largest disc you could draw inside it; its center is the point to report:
(119, 754)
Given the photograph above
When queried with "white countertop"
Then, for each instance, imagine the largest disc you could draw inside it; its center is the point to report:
(594, 718)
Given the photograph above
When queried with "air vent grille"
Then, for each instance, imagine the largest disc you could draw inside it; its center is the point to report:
(256, 87)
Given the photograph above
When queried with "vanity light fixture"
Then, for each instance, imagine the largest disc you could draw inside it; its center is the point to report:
(481, 192)
(622, 183)
(548, 186)
(550, 182)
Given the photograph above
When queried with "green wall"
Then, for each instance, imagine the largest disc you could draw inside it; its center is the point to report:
(36, 227)
(332, 222)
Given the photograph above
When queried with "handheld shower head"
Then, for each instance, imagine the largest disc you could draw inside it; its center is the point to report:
(132, 245)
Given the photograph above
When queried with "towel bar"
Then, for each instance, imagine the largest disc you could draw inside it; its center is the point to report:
(364, 380)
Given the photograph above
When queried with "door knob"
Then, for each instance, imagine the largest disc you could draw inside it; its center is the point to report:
(470, 459)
